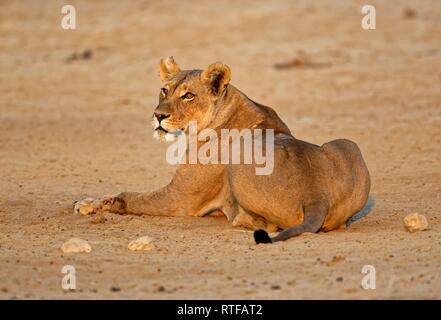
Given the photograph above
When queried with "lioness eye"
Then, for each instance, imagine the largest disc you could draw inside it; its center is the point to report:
(188, 96)
(164, 91)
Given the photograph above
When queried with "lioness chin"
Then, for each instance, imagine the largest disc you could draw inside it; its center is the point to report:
(312, 188)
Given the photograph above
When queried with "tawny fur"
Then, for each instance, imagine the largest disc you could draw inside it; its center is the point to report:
(312, 187)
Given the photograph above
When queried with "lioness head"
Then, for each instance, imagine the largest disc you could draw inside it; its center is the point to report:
(187, 95)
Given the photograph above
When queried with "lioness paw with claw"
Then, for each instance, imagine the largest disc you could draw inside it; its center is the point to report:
(92, 206)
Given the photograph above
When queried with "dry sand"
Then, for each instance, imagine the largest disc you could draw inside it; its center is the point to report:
(81, 127)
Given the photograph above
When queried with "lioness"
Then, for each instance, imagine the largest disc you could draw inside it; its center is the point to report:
(311, 188)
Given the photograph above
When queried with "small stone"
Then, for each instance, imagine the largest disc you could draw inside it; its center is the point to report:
(415, 222)
(338, 258)
(87, 54)
(161, 289)
(115, 289)
(143, 243)
(409, 13)
(76, 245)
(339, 279)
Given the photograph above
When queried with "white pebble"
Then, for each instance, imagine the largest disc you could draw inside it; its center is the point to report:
(142, 243)
(415, 222)
(76, 245)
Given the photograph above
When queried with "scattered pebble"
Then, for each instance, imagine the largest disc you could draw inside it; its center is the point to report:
(338, 258)
(295, 62)
(409, 13)
(275, 287)
(76, 245)
(85, 55)
(339, 279)
(143, 243)
(115, 289)
(161, 289)
(415, 222)
(301, 61)
(292, 282)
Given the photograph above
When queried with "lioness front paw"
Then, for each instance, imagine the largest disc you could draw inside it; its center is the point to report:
(92, 206)
(88, 206)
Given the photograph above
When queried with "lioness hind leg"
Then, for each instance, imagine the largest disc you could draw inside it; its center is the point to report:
(342, 227)
(253, 222)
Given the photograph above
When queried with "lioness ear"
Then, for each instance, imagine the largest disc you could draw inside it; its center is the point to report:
(168, 69)
(217, 76)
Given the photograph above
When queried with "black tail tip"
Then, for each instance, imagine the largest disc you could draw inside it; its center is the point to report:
(261, 236)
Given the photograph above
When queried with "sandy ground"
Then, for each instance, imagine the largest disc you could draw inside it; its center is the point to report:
(71, 128)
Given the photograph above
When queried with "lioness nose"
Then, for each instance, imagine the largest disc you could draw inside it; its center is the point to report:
(161, 116)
